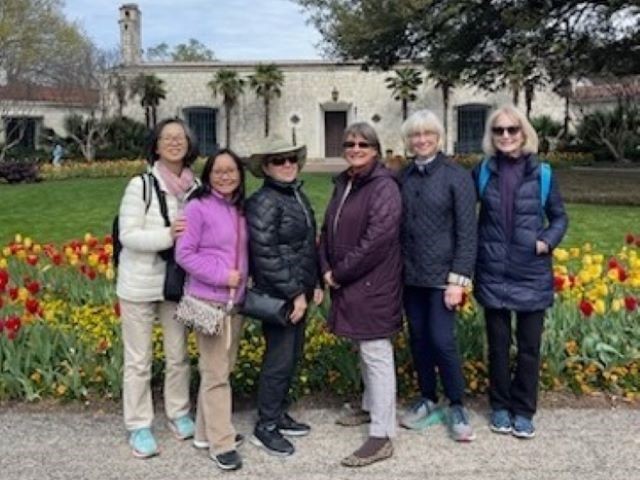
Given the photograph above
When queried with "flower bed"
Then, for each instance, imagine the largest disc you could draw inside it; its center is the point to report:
(60, 332)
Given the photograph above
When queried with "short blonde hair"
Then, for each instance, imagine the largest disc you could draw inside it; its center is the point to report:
(530, 144)
(422, 121)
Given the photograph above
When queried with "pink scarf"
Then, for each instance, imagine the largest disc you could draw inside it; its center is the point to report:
(178, 186)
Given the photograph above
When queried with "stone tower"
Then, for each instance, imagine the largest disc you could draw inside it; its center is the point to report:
(130, 40)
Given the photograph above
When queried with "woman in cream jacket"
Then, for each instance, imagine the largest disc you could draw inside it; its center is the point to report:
(141, 272)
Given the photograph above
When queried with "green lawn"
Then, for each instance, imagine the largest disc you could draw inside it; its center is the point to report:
(58, 211)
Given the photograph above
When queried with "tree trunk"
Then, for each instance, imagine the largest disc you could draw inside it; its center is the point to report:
(154, 116)
(404, 108)
(565, 126)
(445, 114)
(528, 98)
(516, 94)
(147, 117)
(227, 112)
(266, 116)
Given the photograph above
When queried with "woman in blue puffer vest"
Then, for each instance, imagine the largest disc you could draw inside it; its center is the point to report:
(522, 218)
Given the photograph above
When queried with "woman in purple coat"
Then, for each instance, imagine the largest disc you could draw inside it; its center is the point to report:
(361, 262)
(214, 253)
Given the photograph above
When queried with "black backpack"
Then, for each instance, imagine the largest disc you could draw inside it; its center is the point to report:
(149, 183)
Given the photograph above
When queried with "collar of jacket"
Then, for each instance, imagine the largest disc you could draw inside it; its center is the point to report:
(377, 170)
(531, 164)
(429, 168)
(287, 187)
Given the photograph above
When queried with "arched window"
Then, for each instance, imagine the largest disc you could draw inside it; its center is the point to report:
(471, 122)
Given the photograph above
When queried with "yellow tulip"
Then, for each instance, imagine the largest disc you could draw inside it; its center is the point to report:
(587, 260)
(574, 252)
(598, 258)
(87, 237)
(84, 249)
(6, 251)
(23, 293)
(22, 254)
(37, 248)
(17, 238)
(93, 260)
(616, 305)
(28, 242)
(586, 247)
(561, 255)
(599, 307)
(3, 263)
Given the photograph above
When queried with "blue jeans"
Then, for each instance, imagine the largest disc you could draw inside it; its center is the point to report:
(433, 343)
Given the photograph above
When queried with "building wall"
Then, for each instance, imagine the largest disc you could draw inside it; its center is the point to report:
(307, 93)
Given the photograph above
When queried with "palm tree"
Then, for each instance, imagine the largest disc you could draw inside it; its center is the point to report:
(267, 82)
(446, 83)
(151, 90)
(404, 86)
(228, 84)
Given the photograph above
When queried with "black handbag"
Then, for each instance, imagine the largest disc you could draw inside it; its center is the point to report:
(174, 277)
(266, 308)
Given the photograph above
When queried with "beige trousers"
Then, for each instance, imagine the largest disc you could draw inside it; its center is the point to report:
(137, 326)
(216, 361)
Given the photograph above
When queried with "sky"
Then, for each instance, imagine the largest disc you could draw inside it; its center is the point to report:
(233, 29)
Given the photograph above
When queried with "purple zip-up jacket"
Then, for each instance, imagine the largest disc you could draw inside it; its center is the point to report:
(207, 248)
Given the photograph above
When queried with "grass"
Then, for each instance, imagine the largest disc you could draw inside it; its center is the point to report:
(59, 211)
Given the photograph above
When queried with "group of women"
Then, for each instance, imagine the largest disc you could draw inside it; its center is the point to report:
(390, 243)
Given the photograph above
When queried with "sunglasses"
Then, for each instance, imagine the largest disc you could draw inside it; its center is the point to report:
(359, 144)
(499, 131)
(280, 161)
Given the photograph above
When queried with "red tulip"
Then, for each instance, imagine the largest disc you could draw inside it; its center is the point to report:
(13, 293)
(91, 273)
(33, 287)
(586, 308)
(630, 238)
(558, 283)
(116, 309)
(622, 275)
(108, 239)
(32, 260)
(4, 277)
(32, 306)
(12, 322)
(638, 241)
(56, 259)
(613, 263)
(630, 303)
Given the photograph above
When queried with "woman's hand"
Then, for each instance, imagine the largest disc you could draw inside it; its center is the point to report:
(299, 307)
(234, 278)
(178, 227)
(328, 279)
(318, 296)
(541, 247)
(453, 296)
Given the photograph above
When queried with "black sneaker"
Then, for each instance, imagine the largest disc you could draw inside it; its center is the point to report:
(288, 426)
(228, 460)
(269, 438)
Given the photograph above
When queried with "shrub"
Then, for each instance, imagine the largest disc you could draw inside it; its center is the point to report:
(18, 171)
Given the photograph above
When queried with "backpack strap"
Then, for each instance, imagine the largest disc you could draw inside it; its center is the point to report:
(164, 211)
(483, 176)
(545, 183)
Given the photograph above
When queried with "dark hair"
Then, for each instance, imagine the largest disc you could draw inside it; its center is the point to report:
(205, 188)
(154, 137)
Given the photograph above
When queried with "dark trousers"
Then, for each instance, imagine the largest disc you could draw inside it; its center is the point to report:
(433, 342)
(517, 392)
(284, 347)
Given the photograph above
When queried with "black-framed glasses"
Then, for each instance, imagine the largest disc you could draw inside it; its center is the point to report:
(359, 144)
(280, 161)
(511, 130)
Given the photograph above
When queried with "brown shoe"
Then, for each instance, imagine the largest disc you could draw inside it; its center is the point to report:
(354, 418)
(381, 452)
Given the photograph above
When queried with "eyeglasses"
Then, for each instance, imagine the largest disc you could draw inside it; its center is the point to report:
(280, 161)
(176, 140)
(231, 173)
(359, 144)
(511, 130)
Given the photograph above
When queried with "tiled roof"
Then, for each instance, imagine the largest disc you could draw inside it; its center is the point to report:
(39, 93)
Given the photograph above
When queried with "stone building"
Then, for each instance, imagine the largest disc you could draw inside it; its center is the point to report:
(319, 98)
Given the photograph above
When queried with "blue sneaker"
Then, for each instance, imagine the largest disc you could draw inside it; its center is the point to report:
(500, 421)
(182, 427)
(143, 443)
(422, 414)
(523, 427)
(459, 427)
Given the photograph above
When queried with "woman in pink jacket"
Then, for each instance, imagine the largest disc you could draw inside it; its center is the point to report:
(213, 252)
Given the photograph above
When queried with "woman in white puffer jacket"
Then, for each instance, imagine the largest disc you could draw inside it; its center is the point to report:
(141, 271)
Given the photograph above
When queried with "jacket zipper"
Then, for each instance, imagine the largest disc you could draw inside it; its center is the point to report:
(304, 208)
(340, 205)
